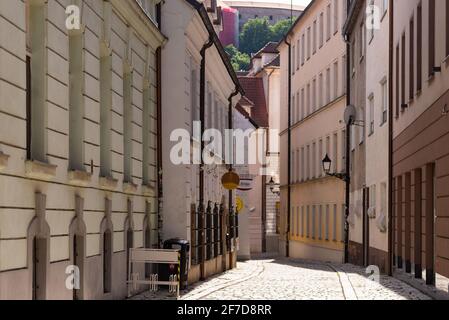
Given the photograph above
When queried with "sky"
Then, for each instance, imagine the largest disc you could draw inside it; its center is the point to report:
(297, 2)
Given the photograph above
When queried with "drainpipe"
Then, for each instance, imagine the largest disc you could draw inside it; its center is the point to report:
(231, 126)
(231, 202)
(348, 143)
(159, 172)
(390, 142)
(289, 146)
(202, 119)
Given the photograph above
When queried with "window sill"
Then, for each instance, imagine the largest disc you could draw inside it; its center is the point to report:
(79, 177)
(148, 190)
(3, 160)
(108, 183)
(129, 187)
(40, 170)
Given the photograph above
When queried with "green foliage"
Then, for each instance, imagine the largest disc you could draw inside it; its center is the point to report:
(240, 61)
(280, 29)
(257, 33)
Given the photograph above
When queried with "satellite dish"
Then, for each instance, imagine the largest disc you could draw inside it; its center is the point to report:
(350, 114)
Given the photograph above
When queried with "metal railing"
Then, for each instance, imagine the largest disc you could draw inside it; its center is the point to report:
(207, 231)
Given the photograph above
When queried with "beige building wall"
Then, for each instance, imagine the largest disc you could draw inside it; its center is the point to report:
(43, 196)
(377, 106)
(181, 62)
(318, 103)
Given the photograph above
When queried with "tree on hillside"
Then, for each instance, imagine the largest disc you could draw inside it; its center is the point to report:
(240, 61)
(255, 34)
(280, 29)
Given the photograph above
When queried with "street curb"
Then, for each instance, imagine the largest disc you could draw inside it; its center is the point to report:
(346, 285)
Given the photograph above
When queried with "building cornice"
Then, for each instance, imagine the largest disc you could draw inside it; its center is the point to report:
(140, 22)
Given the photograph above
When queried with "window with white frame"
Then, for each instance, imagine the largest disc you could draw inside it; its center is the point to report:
(384, 86)
(371, 114)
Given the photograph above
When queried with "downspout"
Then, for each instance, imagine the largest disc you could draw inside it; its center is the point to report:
(289, 146)
(202, 119)
(231, 127)
(160, 192)
(348, 143)
(231, 201)
(390, 142)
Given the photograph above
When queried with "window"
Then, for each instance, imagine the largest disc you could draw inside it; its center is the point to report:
(397, 81)
(328, 85)
(371, 114)
(297, 177)
(314, 37)
(36, 51)
(303, 174)
(127, 127)
(362, 40)
(302, 221)
(313, 222)
(447, 28)
(403, 70)
(419, 49)
(298, 53)
(105, 115)
(335, 79)
(303, 106)
(343, 150)
(328, 24)
(320, 156)
(292, 108)
(327, 222)
(320, 90)
(314, 95)
(293, 59)
(384, 102)
(372, 21)
(308, 100)
(28, 106)
(298, 115)
(336, 14)
(314, 160)
(321, 29)
(335, 152)
(309, 45)
(308, 162)
(384, 6)
(353, 57)
(361, 129)
(343, 74)
(412, 59)
(431, 37)
(303, 49)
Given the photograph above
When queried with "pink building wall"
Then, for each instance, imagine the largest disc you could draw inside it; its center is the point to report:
(230, 33)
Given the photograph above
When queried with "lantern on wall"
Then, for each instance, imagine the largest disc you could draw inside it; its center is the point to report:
(230, 180)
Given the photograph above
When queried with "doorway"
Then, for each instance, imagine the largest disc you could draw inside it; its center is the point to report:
(366, 204)
(107, 261)
(39, 254)
(78, 257)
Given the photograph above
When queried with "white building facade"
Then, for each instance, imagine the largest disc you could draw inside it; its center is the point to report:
(191, 28)
(78, 145)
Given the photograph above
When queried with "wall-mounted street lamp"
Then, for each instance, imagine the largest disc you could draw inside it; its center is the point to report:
(327, 164)
(274, 187)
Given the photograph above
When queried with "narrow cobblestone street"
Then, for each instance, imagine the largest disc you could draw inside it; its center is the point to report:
(282, 279)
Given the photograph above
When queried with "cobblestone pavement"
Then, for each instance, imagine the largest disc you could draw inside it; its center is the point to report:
(282, 279)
